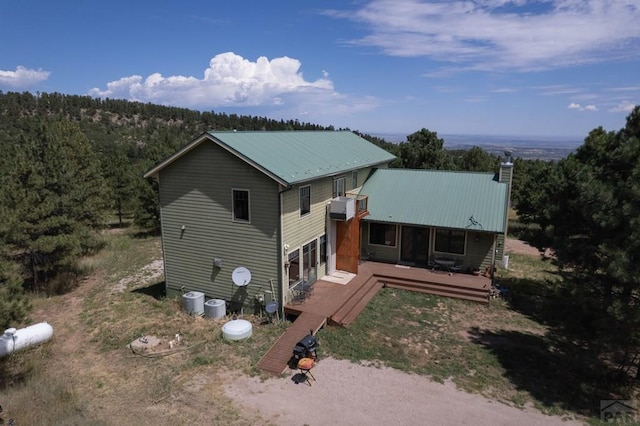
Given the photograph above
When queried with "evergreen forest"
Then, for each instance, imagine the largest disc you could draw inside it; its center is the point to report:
(72, 165)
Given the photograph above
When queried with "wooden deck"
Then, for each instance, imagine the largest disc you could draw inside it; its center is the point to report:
(340, 304)
(441, 283)
(276, 359)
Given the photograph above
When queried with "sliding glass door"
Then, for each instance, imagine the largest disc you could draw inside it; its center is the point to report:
(309, 262)
(414, 246)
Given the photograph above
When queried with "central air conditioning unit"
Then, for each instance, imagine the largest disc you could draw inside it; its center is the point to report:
(342, 208)
(193, 303)
(215, 308)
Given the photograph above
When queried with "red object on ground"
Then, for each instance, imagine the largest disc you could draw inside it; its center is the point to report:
(305, 365)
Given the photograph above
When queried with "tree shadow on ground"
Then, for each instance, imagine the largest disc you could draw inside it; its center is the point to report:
(158, 291)
(10, 376)
(17, 368)
(553, 303)
(567, 367)
(117, 225)
(146, 234)
(556, 372)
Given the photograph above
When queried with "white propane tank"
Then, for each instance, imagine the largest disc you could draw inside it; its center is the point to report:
(14, 340)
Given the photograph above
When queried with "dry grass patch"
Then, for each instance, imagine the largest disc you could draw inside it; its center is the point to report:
(88, 374)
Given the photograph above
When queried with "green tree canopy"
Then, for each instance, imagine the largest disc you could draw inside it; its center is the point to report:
(535, 184)
(424, 150)
(120, 174)
(51, 197)
(596, 223)
(14, 303)
(476, 159)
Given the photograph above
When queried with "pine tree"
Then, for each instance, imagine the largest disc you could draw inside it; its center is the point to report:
(596, 227)
(120, 173)
(52, 197)
(424, 150)
(14, 303)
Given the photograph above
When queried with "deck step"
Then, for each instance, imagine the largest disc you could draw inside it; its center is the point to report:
(353, 306)
(480, 295)
(361, 305)
(276, 360)
(449, 285)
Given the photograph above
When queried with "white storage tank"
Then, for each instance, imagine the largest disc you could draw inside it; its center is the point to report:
(215, 308)
(193, 303)
(238, 329)
(14, 340)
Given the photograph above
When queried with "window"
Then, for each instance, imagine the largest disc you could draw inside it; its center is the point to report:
(294, 268)
(339, 187)
(323, 249)
(362, 204)
(449, 241)
(382, 234)
(354, 180)
(305, 200)
(240, 205)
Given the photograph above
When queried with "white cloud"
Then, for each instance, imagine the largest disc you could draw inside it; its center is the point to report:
(558, 89)
(625, 89)
(624, 106)
(475, 99)
(579, 107)
(22, 77)
(586, 96)
(230, 80)
(521, 35)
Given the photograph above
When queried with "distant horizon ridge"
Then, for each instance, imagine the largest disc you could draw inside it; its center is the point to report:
(484, 135)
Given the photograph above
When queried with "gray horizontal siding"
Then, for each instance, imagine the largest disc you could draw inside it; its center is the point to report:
(379, 252)
(196, 192)
(478, 254)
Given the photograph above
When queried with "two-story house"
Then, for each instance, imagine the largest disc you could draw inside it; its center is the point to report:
(257, 200)
(289, 207)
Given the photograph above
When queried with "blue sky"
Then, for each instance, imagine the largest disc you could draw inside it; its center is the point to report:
(491, 67)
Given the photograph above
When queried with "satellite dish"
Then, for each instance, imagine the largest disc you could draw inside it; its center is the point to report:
(241, 276)
(271, 307)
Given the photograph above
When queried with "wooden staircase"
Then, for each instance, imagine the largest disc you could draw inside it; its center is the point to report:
(480, 295)
(351, 308)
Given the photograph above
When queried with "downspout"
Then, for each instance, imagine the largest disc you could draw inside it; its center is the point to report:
(494, 249)
(281, 259)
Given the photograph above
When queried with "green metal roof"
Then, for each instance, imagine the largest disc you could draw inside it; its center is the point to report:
(291, 157)
(298, 156)
(461, 200)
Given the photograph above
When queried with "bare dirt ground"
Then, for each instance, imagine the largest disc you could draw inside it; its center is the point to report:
(521, 247)
(344, 393)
